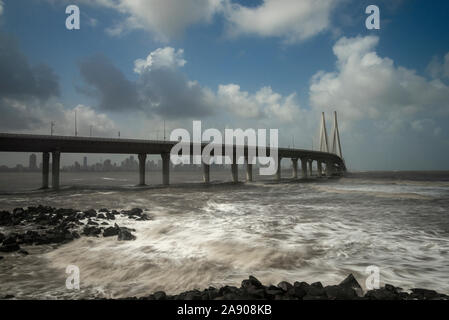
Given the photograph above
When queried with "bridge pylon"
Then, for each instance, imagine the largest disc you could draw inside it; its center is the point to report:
(324, 145)
(336, 144)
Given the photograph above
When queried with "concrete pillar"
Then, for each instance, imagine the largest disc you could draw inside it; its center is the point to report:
(165, 168)
(55, 159)
(295, 168)
(304, 168)
(206, 173)
(278, 171)
(320, 168)
(235, 172)
(249, 171)
(310, 167)
(142, 162)
(45, 169)
(329, 169)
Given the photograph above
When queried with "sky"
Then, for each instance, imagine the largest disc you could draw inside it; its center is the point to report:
(134, 64)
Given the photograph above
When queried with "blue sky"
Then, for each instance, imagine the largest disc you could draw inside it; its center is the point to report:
(254, 63)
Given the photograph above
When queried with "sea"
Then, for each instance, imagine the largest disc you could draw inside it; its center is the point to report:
(218, 234)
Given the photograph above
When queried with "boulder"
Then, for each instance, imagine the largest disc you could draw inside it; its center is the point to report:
(351, 282)
(125, 235)
(340, 293)
(9, 247)
(111, 231)
(91, 213)
(285, 286)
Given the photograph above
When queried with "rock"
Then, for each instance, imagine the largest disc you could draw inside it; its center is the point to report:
(104, 210)
(125, 235)
(285, 286)
(91, 231)
(101, 216)
(159, 295)
(381, 294)
(91, 213)
(111, 231)
(110, 216)
(5, 218)
(300, 289)
(1, 258)
(2, 237)
(340, 293)
(8, 296)
(316, 290)
(423, 294)
(10, 247)
(273, 291)
(351, 282)
(92, 223)
(12, 239)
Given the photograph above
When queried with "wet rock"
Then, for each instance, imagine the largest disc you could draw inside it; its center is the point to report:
(125, 235)
(2, 237)
(91, 231)
(159, 295)
(285, 286)
(133, 212)
(273, 291)
(110, 216)
(91, 213)
(101, 216)
(8, 296)
(351, 282)
(381, 294)
(9, 247)
(300, 289)
(252, 281)
(5, 218)
(424, 294)
(340, 293)
(11, 239)
(1, 258)
(111, 231)
(104, 210)
(315, 290)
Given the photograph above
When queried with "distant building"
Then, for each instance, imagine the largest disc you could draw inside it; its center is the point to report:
(33, 162)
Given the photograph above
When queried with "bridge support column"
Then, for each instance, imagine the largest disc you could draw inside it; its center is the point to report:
(249, 170)
(235, 172)
(278, 171)
(304, 168)
(55, 160)
(295, 168)
(206, 173)
(310, 167)
(320, 168)
(165, 169)
(142, 162)
(329, 169)
(45, 169)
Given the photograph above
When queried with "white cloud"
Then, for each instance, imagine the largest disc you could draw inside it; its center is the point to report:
(291, 20)
(166, 19)
(367, 86)
(263, 104)
(438, 69)
(166, 57)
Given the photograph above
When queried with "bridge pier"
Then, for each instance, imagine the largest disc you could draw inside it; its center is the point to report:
(165, 168)
(45, 169)
(320, 168)
(310, 167)
(142, 162)
(55, 160)
(206, 173)
(295, 168)
(235, 172)
(329, 169)
(304, 168)
(278, 171)
(249, 170)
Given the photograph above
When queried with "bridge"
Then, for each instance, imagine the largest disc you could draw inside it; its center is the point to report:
(331, 162)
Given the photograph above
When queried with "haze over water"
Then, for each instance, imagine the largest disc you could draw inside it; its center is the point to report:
(214, 235)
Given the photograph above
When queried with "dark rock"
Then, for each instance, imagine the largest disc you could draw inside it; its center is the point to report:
(285, 286)
(11, 239)
(2, 237)
(110, 216)
(340, 293)
(300, 289)
(273, 291)
(91, 213)
(10, 247)
(252, 281)
(101, 216)
(381, 294)
(1, 258)
(423, 294)
(104, 210)
(351, 282)
(111, 231)
(159, 295)
(316, 290)
(125, 235)
(5, 218)
(91, 231)
(8, 296)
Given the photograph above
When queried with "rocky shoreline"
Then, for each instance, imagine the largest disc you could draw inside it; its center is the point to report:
(253, 289)
(43, 225)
